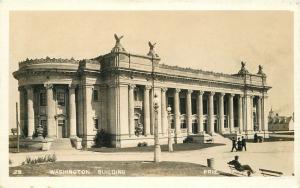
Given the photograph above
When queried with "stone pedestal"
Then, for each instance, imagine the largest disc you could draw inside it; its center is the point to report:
(76, 142)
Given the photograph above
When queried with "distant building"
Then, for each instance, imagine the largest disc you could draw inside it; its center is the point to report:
(280, 123)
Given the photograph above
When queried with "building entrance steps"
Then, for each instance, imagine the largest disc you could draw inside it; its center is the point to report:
(218, 138)
(61, 144)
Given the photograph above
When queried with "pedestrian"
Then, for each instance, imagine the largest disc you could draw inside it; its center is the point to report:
(233, 144)
(239, 145)
(244, 143)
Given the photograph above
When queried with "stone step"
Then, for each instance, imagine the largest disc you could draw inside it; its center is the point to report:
(61, 144)
(221, 139)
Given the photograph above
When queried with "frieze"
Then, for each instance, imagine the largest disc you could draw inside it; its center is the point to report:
(47, 60)
(197, 71)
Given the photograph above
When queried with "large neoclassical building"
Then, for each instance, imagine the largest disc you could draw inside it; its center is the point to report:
(114, 92)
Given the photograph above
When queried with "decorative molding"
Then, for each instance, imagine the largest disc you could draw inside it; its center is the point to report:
(164, 89)
(211, 93)
(177, 90)
(21, 88)
(148, 87)
(48, 86)
(29, 87)
(132, 86)
(189, 91)
(72, 86)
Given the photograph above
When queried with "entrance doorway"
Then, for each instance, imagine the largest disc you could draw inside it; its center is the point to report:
(195, 128)
(61, 129)
(216, 128)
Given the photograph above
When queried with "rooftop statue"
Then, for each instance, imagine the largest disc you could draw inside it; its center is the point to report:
(118, 46)
(243, 68)
(151, 45)
(260, 70)
(118, 39)
(151, 50)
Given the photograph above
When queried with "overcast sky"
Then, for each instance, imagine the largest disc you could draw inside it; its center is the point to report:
(209, 40)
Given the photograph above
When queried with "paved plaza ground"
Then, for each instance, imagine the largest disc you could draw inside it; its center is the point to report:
(276, 156)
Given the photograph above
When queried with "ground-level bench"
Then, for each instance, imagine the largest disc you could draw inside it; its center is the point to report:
(239, 173)
(265, 172)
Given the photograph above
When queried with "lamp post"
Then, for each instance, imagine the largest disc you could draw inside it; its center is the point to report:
(156, 140)
(170, 143)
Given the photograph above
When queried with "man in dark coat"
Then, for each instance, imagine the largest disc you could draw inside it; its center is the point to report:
(239, 167)
(233, 144)
(239, 145)
(244, 143)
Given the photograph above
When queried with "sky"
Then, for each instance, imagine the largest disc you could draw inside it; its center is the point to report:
(209, 40)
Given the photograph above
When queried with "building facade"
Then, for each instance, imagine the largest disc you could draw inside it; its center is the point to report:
(114, 92)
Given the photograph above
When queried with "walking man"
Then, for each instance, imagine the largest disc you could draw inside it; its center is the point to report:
(233, 144)
(244, 143)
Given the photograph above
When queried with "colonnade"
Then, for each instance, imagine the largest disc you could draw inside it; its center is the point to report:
(50, 109)
(244, 117)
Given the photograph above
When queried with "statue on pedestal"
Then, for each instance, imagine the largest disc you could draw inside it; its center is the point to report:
(151, 50)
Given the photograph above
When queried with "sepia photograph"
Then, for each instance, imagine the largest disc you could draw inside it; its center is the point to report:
(160, 93)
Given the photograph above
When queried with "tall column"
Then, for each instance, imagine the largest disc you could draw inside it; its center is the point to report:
(22, 109)
(131, 109)
(265, 113)
(258, 112)
(221, 112)
(164, 119)
(251, 113)
(189, 110)
(146, 110)
(240, 113)
(51, 126)
(231, 118)
(200, 111)
(72, 111)
(248, 109)
(80, 111)
(177, 111)
(30, 111)
(211, 113)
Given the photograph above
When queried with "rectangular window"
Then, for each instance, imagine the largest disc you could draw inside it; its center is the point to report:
(95, 95)
(61, 98)
(205, 110)
(215, 107)
(225, 107)
(183, 124)
(96, 123)
(182, 106)
(43, 123)
(171, 103)
(225, 123)
(43, 99)
(236, 123)
(205, 125)
(194, 106)
(172, 124)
